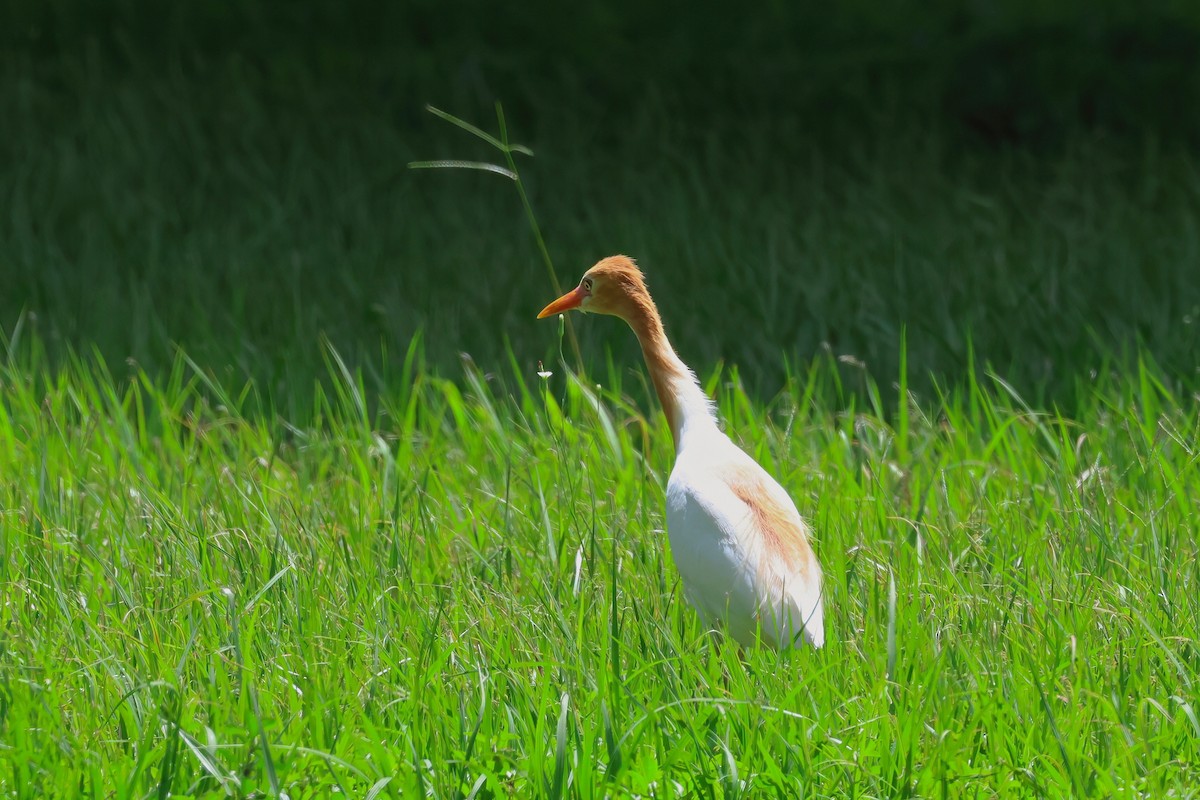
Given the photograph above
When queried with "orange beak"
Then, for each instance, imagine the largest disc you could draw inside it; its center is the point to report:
(570, 300)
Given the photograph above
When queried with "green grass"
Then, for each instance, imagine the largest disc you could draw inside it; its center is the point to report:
(264, 530)
(467, 591)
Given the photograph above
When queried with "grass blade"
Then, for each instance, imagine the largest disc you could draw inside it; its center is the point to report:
(483, 166)
(468, 127)
(557, 787)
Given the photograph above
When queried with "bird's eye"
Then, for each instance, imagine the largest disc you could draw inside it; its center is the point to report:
(587, 284)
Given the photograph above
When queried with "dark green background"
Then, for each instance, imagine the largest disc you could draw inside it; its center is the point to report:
(795, 178)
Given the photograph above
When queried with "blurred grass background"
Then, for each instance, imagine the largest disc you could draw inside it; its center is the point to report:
(1017, 180)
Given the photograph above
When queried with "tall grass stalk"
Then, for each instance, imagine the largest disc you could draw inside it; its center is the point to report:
(509, 151)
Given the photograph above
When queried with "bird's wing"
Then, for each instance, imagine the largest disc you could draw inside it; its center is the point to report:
(788, 573)
(744, 555)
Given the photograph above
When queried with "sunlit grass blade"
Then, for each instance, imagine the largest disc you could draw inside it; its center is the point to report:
(475, 165)
(558, 782)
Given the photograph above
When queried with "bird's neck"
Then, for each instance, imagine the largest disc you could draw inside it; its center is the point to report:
(685, 404)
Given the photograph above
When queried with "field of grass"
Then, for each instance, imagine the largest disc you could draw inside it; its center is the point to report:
(265, 531)
(467, 592)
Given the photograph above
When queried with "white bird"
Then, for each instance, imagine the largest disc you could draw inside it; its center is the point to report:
(736, 537)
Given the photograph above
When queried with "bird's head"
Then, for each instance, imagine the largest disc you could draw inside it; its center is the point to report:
(613, 286)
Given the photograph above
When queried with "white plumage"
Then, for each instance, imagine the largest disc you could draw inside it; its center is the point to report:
(731, 574)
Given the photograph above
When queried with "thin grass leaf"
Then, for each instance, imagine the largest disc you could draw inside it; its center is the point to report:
(208, 762)
(377, 788)
(891, 627)
(475, 165)
(469, 128)
(253, 601)
(558, 786)
(476, 787)
(611, 743)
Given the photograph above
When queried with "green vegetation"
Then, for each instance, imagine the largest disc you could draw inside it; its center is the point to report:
(469, 592)
(264, 529)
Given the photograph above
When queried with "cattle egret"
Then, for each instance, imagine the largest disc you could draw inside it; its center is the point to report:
(736, 537)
